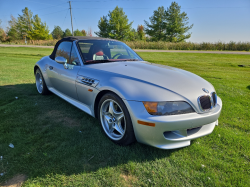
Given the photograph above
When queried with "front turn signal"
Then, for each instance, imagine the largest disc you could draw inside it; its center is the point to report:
(151, 107)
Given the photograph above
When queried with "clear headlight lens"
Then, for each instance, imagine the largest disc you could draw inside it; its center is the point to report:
(168, 108)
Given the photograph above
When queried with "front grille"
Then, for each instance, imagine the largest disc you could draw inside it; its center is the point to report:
(214, 96)
(205, 102)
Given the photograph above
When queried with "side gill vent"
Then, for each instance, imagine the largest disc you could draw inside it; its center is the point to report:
(87, 81)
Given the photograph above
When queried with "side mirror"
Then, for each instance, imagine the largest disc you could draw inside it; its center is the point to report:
(61, 60)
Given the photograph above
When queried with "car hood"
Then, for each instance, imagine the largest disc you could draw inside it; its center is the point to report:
(176, 80)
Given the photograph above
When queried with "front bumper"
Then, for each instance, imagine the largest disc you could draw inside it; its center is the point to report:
(174, 131)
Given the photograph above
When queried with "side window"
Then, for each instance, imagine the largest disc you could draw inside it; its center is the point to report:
(74, 60)
(64, 50)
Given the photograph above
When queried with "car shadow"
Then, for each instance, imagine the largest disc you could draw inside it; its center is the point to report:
(52, 136)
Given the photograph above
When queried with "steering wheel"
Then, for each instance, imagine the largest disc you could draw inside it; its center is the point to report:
(106, 56)
(117, 55)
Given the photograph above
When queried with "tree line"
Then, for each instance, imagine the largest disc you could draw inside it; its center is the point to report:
(169, 25)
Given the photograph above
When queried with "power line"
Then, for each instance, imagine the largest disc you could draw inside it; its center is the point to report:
(49, 7)
(38, 2)
(75, 20)
(210, 7)
(181, 8)
(65, 17)
(100, 1)
(55, 12)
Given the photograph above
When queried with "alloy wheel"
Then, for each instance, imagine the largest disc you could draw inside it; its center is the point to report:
(39, 82)
(112, 119)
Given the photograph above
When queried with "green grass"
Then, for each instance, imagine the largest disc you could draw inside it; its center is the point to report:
(50, 150)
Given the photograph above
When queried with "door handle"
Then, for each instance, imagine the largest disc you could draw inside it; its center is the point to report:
(50, 67)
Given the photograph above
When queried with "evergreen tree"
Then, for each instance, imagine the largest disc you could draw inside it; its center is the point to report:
(157, 28)
(103, 27)
(170, 25)
(57, 33)
(177, 24)
(39, 31)
(67, 33)
(115, 25)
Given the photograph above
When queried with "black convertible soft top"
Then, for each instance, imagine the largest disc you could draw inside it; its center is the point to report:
(73, 38)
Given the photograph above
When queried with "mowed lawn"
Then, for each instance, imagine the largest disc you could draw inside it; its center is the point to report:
(56, 144)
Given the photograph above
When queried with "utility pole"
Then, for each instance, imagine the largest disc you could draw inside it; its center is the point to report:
(71, 18)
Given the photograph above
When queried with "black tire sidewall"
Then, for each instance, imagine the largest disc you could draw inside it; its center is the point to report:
(129, 136)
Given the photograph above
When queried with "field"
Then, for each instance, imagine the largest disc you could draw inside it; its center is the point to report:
(140, 44)
(56, 144)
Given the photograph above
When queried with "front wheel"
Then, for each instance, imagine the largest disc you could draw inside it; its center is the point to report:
(115, 119)
(40, 83)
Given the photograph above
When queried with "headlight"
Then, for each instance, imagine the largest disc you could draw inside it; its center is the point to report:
(168, 108)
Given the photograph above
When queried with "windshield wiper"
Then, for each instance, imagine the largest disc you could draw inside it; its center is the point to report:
(98, 61)
(109, 60)
(132, 59)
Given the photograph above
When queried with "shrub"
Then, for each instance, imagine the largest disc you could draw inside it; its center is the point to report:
(231, 46)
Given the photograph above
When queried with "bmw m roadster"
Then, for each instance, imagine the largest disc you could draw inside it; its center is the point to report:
(157, 105)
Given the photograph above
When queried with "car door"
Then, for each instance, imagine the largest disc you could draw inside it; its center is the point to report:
(63, 77)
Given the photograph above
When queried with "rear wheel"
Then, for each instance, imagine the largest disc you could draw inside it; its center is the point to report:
(115, 119)
(40, 83)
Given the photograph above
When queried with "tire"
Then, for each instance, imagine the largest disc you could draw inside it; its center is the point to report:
(40, 83)
(115, 119)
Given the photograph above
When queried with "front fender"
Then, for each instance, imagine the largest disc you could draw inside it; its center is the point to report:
(131, 89)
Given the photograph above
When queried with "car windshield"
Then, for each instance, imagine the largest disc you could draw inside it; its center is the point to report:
(101, 51)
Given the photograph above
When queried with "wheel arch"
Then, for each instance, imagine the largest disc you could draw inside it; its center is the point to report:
(35, 68)
(98, 98)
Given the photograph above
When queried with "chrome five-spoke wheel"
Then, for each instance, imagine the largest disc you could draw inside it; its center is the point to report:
(115, 119)
(112, 119)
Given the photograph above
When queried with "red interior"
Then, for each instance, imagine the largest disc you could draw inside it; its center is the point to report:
(99, 53)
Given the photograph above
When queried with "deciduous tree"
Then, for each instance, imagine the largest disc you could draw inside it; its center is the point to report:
(39, 30)
(57, 33)
(2, 33)
(84, 32)
(12, 32)
(24, 22)
(77, 33)
(141, 33)
(66, 33)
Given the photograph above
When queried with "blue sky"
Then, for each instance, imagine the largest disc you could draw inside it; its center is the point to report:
(214, 20)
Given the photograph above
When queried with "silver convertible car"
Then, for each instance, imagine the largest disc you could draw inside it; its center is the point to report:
(157, 105)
